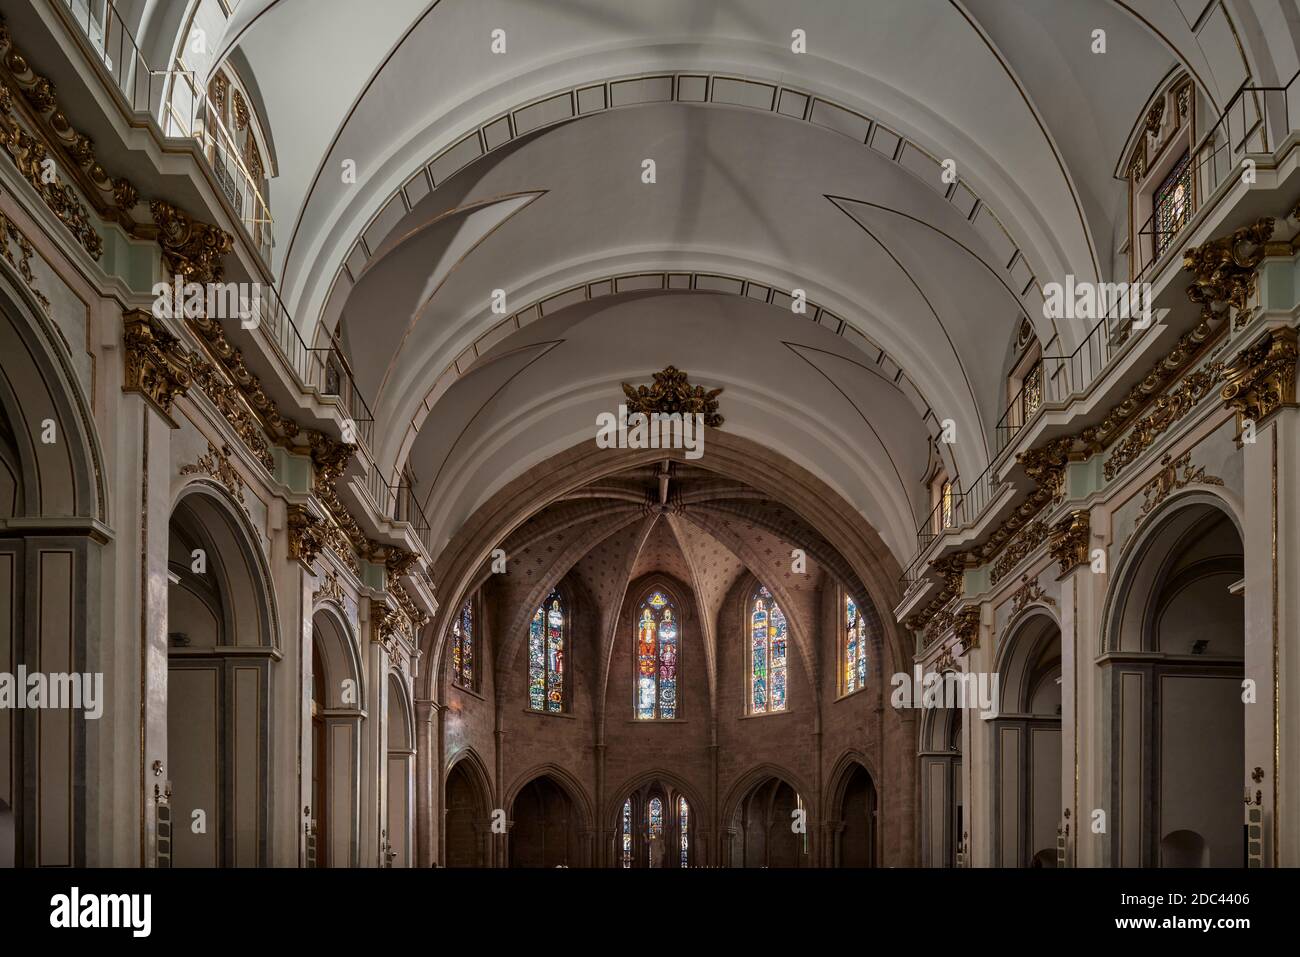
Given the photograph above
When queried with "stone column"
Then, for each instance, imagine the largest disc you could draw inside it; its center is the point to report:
(978, 785)
(1082, 774)
(155, 368)
(427, 749)
(1260, 388)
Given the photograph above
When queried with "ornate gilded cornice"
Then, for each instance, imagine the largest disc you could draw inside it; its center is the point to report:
(1025, 541)
(1069, 541)
(1261, 379)
(281, 428)
(231, 404)
(305, 539)
(1168, 481)
(216, 464)
(113, 199)
(1224, 269)
(23, 261)
(1189, 346)
(1028, 593)
(30, 156)
(190, 248)
(156, 365)
(1167, 410)
(672, 392)
(953, 569)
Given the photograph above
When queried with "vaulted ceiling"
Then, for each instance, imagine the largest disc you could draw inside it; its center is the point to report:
(774, 171)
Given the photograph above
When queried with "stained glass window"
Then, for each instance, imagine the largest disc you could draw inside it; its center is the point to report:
(683, 826)
(627, 833)
(855, 646)
(655, 831)
(768, 634)
(546, 656)
(462, 646)
(657, 650)
(1173, 203)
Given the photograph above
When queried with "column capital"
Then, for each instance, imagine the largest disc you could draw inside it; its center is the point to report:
(1069, 540)
(1261, 379)
(155, 364)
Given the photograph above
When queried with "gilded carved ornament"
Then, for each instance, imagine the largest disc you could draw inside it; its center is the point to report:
(1069, 541)
(191, 248)
(331, 589)
(23, 261)
(1167, 410)
(229, 401)
(966, 628)
(216, 463)
(30, 156)
(1027, 594)
(1224, 269)
(1168, 480)
(305, 540)
(1261, 379)
(1022, 544)
(112, 199)
(672, 392)
(155, 364)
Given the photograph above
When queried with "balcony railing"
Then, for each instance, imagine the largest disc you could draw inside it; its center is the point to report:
(176, 102)
(399, 502)
(324, 370)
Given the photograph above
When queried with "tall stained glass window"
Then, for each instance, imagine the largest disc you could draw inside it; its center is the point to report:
(546, 656)
(657, 649)
(655, 830)
(855, 646)
(1173, 203)
(683, 826)
(627, 833)
(462, 646)
(767, 629)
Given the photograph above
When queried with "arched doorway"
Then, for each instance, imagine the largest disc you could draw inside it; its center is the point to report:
(467, 816)
(943, 820)
(51, 499)
(1027, 743)
(545, 827)
(337, 703)
(658, 825)
(401, 773)
(855, 825)
(770, 826)
(1172, 678)
(219, 627)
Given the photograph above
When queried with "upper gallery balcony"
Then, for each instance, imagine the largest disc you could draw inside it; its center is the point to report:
(1227, 178)
(175, 103)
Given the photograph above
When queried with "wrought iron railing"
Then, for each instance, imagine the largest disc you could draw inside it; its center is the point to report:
(399, 503)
